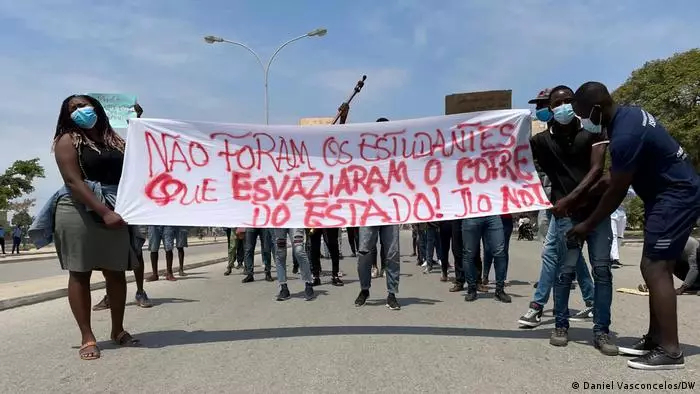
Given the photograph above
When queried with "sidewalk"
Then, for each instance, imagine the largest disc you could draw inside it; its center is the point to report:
(16, 294)
(49, 252)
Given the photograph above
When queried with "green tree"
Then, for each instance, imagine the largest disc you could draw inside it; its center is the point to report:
(634, 207)
(18, 180)
(22, 219)
(669, 89)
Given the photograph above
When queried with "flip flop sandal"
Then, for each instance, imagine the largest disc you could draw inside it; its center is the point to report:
(125, 339)
(86, 355)
(102, 305)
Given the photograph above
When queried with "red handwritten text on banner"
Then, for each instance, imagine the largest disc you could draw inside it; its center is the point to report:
(208, 174)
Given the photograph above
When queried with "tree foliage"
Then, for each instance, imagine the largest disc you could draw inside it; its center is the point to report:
(18, 180)
(21, 205)
(669, 89)
(22, 219)
(634, 208)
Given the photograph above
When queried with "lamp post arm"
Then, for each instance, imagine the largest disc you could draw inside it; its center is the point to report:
(247, 48)
(267, 74)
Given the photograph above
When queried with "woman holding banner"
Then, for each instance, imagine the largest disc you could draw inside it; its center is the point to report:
(88, 234)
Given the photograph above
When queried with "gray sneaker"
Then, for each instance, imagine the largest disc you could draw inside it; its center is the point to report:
(605, 344)
(560, 337)
(584, 315)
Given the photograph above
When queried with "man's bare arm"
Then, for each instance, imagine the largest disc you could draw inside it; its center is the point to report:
(612, 198)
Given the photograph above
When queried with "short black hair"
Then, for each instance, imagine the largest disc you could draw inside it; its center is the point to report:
(560, 87)
(382, 120)
(593, 93)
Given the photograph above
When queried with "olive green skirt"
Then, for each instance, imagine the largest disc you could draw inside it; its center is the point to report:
(83, 244)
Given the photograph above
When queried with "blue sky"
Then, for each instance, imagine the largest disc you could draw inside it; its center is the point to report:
(413, 52)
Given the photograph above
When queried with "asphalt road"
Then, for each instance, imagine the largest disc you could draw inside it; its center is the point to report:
(28, 270)
(212, 334)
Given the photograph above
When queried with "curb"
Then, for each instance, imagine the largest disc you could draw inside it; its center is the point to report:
(63, 292)
(52, 255)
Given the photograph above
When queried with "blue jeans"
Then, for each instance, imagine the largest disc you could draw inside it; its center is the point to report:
(296, 235)
(543, 218)
(550, 264)
(599, 242)
(488, 256)
(389, 236)
(422, 245)
(251, 239)
(490, 228)
(432, 244)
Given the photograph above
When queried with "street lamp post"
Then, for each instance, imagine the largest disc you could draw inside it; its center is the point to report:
(266, 68)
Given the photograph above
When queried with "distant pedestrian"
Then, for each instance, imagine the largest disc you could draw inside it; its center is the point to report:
(16, 238)
(2, 239)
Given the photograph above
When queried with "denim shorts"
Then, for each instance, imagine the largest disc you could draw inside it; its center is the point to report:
(158, 234)
(181, 237)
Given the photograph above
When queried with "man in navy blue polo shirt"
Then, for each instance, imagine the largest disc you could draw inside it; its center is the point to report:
(645, 156)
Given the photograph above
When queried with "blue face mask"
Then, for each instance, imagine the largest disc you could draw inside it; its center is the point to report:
(564, 114)
(543, 115)
(590, 127)
(84, 117)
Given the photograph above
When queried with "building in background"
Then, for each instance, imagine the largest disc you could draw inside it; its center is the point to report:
(316, 121)
(460, 103)
(538, 127)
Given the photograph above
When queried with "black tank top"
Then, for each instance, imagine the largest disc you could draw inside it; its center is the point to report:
(104, 166)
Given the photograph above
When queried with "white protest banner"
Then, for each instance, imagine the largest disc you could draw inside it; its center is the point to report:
(240, 175)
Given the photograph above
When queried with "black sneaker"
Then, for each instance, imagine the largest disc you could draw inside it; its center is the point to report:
(228, 271)
(457, 287)
(362, 298)
(336, 281)
(534, 286)
(656, 360)
(501, 295)
(643, 346)
(616, 264)
(471, 296)
(295, 269)
(584, 315)
(248, 279)
(605, 344)
(284, 293)
(560, 337)
(268, 277)
(309, 292)
(533, 317)
(391, 302)
(317, 281)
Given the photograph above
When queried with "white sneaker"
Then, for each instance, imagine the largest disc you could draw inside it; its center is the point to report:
(583, 315)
